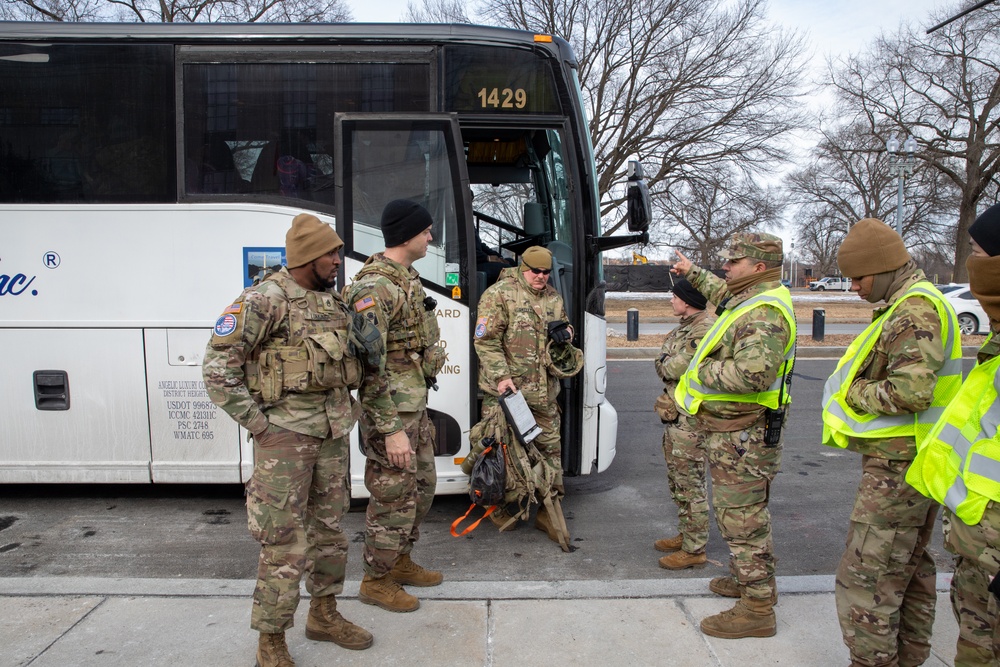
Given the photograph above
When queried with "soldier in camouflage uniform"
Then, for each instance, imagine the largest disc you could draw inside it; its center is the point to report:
(744, 362)
(397, 433)
(278, 363)
(885, 588)
(521, 325)
(977, 547)
(683, 447)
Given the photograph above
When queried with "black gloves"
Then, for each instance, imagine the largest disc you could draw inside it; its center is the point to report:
(559, 332)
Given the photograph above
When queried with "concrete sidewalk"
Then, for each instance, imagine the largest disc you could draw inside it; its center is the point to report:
(62, 621)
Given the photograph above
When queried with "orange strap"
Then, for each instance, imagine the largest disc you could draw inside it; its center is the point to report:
(454, 525)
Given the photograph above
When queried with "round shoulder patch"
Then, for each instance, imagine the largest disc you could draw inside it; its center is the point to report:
(225, 325)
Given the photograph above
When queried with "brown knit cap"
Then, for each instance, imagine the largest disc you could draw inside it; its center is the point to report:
(870, 248)
(536, 257)
(308, 239)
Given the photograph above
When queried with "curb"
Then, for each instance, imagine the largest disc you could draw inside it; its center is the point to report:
(583, 589)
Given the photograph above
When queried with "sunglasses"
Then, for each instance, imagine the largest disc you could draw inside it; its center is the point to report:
(540, 272)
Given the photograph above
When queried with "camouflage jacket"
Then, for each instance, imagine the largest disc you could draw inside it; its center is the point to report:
(748, 358)
(991, 347)
(511, 336)
(391, 297)
(258, 318)
(678, 349)
(899, 374)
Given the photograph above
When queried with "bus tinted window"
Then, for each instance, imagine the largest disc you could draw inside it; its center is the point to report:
(487, 79)
(415, 164)
(86, 123)
(267, 128)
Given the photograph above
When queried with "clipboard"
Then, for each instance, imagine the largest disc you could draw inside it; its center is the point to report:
(519, 416)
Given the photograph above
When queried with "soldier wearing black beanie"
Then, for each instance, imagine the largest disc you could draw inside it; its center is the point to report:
(403, 219)
(986, 230)
(686, 292)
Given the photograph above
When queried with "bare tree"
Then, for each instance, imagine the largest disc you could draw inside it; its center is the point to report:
(685, 85)
(176, 11)
(718, 204)
(437, 11)
(944, 89)
(847, 179)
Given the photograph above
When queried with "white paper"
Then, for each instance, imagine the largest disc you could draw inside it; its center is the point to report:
(519, 417)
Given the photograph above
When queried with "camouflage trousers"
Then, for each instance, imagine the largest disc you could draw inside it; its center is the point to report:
(684, 451)
(977, 561)
(298, 493)
(885, 588)
(400, 498)
(742, 469)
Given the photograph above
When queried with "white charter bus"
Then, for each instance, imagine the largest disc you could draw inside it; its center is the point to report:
(148, 174)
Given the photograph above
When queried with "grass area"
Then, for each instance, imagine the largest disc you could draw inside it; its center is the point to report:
(834, 340)
(854, 310)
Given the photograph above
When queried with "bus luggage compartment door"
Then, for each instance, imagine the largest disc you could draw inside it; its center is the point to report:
(192, 439)
(104, 435)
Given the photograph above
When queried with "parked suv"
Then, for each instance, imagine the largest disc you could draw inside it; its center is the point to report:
(830, 283)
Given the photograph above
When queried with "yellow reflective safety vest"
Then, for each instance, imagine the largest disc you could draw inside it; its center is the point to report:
(841, 422)
(691, 393)
(958, 463)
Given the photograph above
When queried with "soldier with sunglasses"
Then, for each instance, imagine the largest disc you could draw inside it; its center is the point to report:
(524, 343)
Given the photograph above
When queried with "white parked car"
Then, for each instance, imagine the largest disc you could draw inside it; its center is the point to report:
(830, 283)
(972, 318)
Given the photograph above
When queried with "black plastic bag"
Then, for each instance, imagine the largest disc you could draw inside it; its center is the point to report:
(488, 480)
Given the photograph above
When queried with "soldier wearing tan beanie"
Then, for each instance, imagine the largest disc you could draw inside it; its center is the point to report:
(886, 379)
(308, 239)
(873, 250)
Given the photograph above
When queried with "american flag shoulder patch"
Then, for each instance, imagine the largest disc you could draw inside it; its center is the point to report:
(234, 309)
(363, 304)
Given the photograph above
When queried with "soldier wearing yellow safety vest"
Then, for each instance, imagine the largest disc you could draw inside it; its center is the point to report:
(958, 465)
(735, 389)
(888, 389)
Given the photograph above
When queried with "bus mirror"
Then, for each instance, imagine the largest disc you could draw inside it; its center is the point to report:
(637, 195)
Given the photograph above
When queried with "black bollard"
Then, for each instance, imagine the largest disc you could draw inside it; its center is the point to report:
(819, 323)
(632, 323)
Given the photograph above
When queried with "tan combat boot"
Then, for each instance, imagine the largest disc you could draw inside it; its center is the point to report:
(668, 544)
(325, 624)
(680, 560)
(724, 586)
(543, 522)
(405, 571)
(272, 651)
(728, 588)
(386, 592)
(749, 618)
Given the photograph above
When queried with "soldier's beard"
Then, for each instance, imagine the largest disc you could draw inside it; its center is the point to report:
(324, 283)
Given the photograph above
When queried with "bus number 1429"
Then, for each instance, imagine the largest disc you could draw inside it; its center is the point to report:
(503, 99)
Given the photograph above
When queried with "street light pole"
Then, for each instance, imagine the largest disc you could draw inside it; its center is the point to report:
(900, 165)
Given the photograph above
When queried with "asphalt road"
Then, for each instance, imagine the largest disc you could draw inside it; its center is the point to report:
(200, 531)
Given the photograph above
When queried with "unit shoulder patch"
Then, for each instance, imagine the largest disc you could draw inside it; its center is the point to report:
(225, 325)
(481, 324)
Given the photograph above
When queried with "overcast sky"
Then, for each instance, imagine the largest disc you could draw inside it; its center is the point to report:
(833, 26)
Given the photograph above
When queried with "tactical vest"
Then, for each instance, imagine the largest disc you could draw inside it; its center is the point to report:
(691, 393)
(958, 463)
(841, 421)
(414, 328)
(315, 355)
